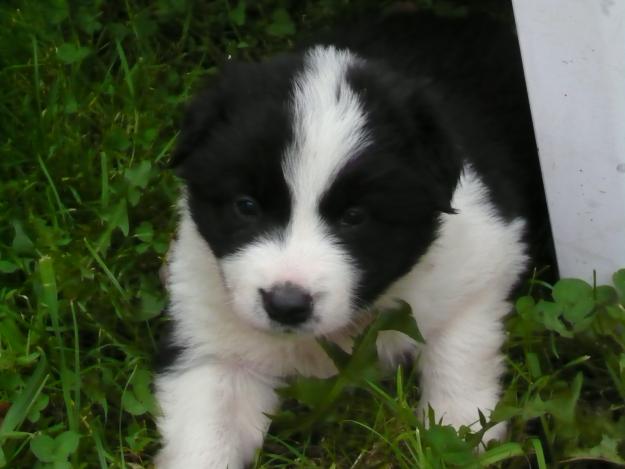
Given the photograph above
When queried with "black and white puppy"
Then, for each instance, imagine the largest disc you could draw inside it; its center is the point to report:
(397, 162)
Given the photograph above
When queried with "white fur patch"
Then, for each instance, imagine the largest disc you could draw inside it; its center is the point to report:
(329, 125)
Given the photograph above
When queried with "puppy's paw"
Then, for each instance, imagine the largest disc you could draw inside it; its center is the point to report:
(498, 433)
(210, 459)
(462, 415)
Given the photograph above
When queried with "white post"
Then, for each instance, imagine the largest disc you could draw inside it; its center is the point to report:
(574, 59)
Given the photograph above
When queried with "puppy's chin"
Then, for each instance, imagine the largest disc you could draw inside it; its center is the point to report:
(280, 330)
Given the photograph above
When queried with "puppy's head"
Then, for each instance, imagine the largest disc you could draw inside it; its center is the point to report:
(317, 181)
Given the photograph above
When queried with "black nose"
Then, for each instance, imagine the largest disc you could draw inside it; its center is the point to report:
(287, 303)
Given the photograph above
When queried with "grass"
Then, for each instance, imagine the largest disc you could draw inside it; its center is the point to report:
(90, 98)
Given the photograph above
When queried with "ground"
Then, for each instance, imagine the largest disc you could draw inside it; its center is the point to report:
(90, 99)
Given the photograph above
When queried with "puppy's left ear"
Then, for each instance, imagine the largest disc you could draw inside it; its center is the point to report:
(412, 108)
(448, 209)
(443, 158)
(200, 117)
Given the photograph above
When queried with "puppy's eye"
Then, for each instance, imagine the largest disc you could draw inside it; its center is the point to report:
(352, 217)
(247, 208)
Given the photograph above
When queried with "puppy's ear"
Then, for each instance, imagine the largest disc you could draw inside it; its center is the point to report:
(412, 108)
(201, 115)
(443, 164)
(448, 209)
(436, 140)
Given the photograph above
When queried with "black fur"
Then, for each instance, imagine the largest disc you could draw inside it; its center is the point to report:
(232, 141)
(168, 350)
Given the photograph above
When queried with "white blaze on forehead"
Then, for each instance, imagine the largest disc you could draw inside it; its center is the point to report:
(328, 130)
(328, 124)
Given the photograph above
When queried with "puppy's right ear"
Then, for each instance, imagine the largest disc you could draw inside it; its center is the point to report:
(201, 115)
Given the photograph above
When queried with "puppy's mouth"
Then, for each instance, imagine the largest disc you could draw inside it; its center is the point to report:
(307, 328)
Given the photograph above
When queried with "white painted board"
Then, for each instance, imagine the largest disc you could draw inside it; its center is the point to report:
(574, 59)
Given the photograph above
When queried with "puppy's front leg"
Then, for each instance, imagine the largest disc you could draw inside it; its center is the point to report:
(213, 416)
(461, 367)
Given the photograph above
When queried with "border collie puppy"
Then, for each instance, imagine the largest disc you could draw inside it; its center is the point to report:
(397, 162)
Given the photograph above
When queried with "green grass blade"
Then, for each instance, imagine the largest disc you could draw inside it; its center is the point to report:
(50, 300)
(125, 67)
(105, 268)
(62, 209)
(36, 73)
(120, 433)
(104, 181)
(19, 410)
(540, 454)
(501, 453)
(96, 433)
(165, 150)
(401, 458)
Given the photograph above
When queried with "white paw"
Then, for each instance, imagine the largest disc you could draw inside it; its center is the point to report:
(462, 414)
(498, 433)
(167, 459)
